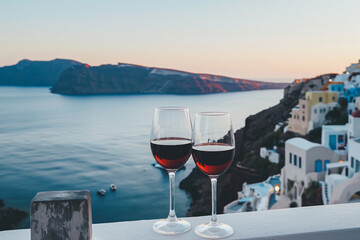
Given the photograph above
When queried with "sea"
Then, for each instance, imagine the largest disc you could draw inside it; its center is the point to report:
(51, 142)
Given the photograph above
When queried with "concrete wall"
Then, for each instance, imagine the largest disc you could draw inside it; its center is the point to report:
(330, 222)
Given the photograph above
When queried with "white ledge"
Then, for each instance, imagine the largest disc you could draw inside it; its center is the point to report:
(330, 222)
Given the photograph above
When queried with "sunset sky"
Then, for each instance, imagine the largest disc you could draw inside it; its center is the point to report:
(254, 39)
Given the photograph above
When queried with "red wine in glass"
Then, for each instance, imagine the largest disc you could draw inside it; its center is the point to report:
(171, 145)
(171, 152)
(213, 158)
(213, 151)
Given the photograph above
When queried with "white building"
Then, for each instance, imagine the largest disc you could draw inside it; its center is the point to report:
(279, 125)
(354, 157)
(351, 107)
(335, 138)
(354, 143)
(256, 196)
(341, 78)
(263, 152)
(353, 67)
(304, 162)
(354, 125)
(350, 77)
(353, 82)
(357, 103)
(270, 155)
(318, 114)
(342, 179)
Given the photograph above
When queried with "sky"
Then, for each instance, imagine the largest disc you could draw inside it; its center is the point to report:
(275, 40)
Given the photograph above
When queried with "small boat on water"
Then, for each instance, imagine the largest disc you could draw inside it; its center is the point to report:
(101, 192)
(112, 187)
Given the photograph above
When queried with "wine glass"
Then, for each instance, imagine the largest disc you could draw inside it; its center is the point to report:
(213, 151)
(171, 147)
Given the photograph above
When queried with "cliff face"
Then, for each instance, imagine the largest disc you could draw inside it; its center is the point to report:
(125, 78)
(10, 217)
(248, 140)
(34, 73)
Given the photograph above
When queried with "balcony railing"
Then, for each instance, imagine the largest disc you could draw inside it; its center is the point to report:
(330, 222)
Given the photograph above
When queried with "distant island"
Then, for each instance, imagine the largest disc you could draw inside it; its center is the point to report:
(71, 77)
(128, 78)
(34, 73)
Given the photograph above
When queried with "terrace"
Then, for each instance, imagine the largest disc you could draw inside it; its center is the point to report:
(330, 222)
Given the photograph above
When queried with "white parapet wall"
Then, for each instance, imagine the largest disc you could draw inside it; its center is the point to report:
(330, 222)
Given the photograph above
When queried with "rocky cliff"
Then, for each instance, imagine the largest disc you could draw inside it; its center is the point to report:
(247, 165)
(34, 73)
(127, 79)
(10, 217)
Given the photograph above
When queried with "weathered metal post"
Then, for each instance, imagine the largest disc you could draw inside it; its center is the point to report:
(61, 215)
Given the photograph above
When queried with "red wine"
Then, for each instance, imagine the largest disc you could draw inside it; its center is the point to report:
(171, 153)
(213, 158)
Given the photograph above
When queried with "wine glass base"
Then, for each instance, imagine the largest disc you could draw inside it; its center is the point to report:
(171, 227)
(214, 230)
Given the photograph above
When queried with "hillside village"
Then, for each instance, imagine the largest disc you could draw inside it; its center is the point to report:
(322, 172)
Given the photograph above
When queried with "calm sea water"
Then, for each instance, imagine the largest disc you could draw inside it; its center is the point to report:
(51, 142)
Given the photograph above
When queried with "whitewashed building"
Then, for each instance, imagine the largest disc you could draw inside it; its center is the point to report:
(342, 179)
(335, 138)
(354, 143)
(354, 125)
(305, 161)
(270, 154)
(318, 114)
(341, 77)
(357, 103)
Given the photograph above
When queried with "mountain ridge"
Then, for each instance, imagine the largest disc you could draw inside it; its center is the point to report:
(125, 78)
(66, 76)
(34, 73)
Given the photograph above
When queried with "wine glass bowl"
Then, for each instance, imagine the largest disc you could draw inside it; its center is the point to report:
(171, 153)
(171, 146)
(213, 151)
(213, 159)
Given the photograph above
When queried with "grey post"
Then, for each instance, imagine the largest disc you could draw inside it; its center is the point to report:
(61, 215)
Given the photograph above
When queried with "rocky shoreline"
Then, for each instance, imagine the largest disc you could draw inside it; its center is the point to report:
(10, 217)
(247, 165)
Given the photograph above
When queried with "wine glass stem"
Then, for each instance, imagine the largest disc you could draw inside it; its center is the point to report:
(172, 215)
(213, 197)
